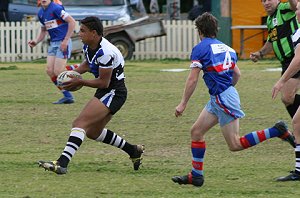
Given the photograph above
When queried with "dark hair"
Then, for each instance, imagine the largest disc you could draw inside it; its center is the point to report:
(93, 23)
(207, 25)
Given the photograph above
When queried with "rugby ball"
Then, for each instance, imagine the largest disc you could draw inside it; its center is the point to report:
(66, 76)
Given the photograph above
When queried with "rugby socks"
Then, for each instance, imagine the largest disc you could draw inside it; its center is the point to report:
(297, 153)
(256, 137)
(54, 80)
(293, 107)
(109, 137)
(198, 151)
(66, 93)
(73, 144)
(72, 67)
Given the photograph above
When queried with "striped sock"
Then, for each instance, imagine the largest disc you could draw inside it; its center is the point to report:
(109, 137)
(73, 144)
(72, 67)
(251, 139)
(54, 80)
(297, 153)
(66, 93)
(198, 151)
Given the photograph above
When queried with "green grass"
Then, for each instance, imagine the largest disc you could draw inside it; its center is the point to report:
(33, 129)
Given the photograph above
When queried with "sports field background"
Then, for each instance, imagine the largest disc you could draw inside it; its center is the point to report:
(33, 129)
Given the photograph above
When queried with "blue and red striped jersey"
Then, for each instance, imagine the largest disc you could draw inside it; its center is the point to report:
(53, 19)
(217, 61)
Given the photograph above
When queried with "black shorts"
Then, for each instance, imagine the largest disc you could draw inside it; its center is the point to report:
(285, 65)
(113, 99)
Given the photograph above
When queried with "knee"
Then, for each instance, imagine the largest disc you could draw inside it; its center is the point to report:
(196, 134)
(234, 145)
(75, 123)
(296, 125)
(89, 131)
(78, 123)
(288, 98)
(90, 136)
(49, 72)
(234, 148)
(57, 71)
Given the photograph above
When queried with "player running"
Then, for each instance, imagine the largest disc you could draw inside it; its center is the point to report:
(60, 26)
(106, 63)
(293, 68)
(282, 24)
(221, 74)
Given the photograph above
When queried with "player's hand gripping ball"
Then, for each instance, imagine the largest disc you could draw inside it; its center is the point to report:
(66, 76)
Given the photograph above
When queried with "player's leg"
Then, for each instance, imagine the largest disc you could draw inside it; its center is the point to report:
(135, 152)
(90, 114)
(205, 121)
(113, 101)
(92, 120)
(59, 66)
(51, 62)
(50, 68)
(295, 175)
(229, 111)
(52, 71)
(289, 95)
(231, 134)
(236, 143)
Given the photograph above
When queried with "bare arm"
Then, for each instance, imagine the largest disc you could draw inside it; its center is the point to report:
(71, 27)
(41, 36)
(293, 4)
(190, 85)
(83, 67)
(266, 49)
(236, 75)
(293, 68)
(101, 82)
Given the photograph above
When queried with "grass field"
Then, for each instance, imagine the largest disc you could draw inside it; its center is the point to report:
(32, 129)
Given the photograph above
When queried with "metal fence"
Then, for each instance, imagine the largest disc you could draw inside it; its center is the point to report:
(178, 43)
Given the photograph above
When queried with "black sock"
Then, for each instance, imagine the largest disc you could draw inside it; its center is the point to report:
(297, 153)
(73, 144)
(109, 137)
(294, 107)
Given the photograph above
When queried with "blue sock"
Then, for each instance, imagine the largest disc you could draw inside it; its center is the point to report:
(67, 94)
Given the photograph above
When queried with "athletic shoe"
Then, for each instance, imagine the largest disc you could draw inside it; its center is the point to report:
(291, 177)
(53, 166)
(136, 158)
(189, 179)
(64, 100)
(285, 134)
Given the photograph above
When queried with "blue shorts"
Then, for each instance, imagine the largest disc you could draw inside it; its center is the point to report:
(54, 50)
(226, 106)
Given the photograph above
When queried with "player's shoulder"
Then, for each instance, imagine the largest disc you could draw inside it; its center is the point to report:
(108, 47)
(201, 45)
(56, 7)
(105, 43)
(284, 6)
